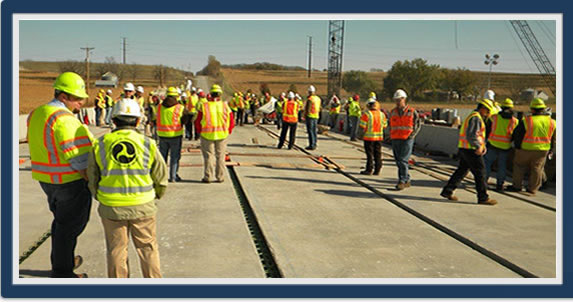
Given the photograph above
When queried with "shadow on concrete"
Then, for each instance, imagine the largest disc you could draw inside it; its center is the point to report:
(431, 199)
(35, 273)
(252, 146)
(194, 181)
(346, 193)
(308, 180)
(26, 169)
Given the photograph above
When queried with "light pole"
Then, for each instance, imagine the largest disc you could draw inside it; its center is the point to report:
(490, 60)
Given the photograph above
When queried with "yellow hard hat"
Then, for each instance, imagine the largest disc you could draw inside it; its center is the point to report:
(72, 83)
(216, 89)
(172, 91)
(489, 105)
(508, 103)
(372, 95)
(537, 103)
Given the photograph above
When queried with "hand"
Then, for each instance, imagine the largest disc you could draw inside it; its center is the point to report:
(480, 150)
(550, 155)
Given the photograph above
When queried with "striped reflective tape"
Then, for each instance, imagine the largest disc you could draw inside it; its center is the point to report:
(125, 190)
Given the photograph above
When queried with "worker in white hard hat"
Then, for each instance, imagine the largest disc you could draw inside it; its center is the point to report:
(312, 115)
(125, 193)
(489, 95)
(108, 106)
(404, 126)
(290, 109)
(334, 111)
(139, 97)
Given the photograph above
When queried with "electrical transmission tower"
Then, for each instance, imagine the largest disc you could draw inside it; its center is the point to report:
(335, 43)
(535, 52)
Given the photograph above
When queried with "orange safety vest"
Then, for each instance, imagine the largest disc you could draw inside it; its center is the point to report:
(538, 132)
(401, 126)
(290, 111)
(373, 123)
(169, 121)
(501, 131)
(463, 142)
(215, 120)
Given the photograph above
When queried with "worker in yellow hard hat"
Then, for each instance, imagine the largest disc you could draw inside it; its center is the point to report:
(534, 140)
(472, 147)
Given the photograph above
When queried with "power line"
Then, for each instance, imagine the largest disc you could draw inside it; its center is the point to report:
(87, 49)
(309, 55)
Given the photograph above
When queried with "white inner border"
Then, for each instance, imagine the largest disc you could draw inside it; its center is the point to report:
(558, 18)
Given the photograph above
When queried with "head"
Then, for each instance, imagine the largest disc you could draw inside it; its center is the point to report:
(486, 108)
(126, 112)
(139, 91)
(537, 105)
(400, 97)
(109, 92)
(507, 105)
(490, 95)
(193, 90)
(216, 91)
(69, 88)
(291, 95)
(373, 105)
(311, 90)
(128, 90)
(356, 98)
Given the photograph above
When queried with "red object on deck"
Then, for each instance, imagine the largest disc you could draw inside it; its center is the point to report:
(341, 125)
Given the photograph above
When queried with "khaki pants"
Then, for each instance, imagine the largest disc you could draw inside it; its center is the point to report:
(145, 240)
(532, 161)
(214, 158)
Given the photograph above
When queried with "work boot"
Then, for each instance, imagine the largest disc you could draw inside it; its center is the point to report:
(449, 196)
(177, 178)
(308, 148)
(376, 172)
(512, 189)
(407, 184)
(488, 201)
(205, 180)
(400, 186)
(366, 172)
(279, 146)
(499, 188)
(530, 193)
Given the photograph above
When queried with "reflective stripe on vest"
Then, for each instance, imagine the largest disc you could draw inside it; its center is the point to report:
(335, 110)
(48, 156)
(501, 131)
(192, 104)
(169, 121)
(314, 106)
(463, 142)
(290, 111)
(538, 132)
(215, 120)
(373, 121)
(354, 109)
(401, 126)
(125, 183)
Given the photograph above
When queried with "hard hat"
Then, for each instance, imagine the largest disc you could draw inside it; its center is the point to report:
(109, 91)
(201, 93)
(372, 95)
(490, 95)
(178, 90)
(216, 89)
(283, 93)
(193, 89)
(400, 94)
(291, 95)
(140, 89)
(101, 91)
(489, 105)
(127, 108)
(72, 83)
(128, 87)
(356, 97)
(184, 94)
(537, 103)
(171, 91)
(508, 103)
(311, 89)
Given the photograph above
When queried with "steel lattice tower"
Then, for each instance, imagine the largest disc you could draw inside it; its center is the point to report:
(535, 52)
(335, 43)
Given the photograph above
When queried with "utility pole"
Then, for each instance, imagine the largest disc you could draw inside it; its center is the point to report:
(87, 49)
(124, 39)
(309, 55)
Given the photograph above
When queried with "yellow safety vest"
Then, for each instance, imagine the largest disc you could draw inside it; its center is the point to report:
(124, 158)
(501, 131)
(101, 102)
(141, 101)
(110, 101)
(463, 142)
(354, 109)
(192, 104)
(313, 107)
(215, 120)
(55, 136)
(169, 121)
(538, 132)
(335, 110)
(373, 122)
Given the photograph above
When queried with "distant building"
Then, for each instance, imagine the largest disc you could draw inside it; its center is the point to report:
(530, 93)
(108, 79)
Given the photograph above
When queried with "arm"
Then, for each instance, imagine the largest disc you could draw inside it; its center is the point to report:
(471, 132)
(232, 122)
(75, 145)
(159, 175)
(417, 124)
(518, 134)
(93, 173)
(487, 128)
(198, 121)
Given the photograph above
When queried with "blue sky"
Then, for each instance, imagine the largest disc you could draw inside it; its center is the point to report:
(367, 43)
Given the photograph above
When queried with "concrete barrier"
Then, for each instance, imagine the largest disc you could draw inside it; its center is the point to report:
(436, 138)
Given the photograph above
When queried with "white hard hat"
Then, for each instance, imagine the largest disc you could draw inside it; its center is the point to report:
(200, 90)
(490, 95)
(371, 100)
(178, 90)
(291, 95)
(126, 107)
(400, 94)
(140, 89)
(109, 91)
(297, 96)
(193, 89)
(128, 87)
(311, 89)
(184, 94)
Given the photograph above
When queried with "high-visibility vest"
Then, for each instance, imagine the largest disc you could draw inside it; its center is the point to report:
(279, 105)
(463, 141)
(501, 131)
(215, 120)
(354, 109)
(233, 103)
(373, 123)
(538, 132)
(55, 136)
(124, 158)
(192, 103)
(401, 126)
(247, 103)
(169, 121)
(110, 101)
(334, 110)
(140, 101)
(314, 106)
(290, 111)
(100, 101)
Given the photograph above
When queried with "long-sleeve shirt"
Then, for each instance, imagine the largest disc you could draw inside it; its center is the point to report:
(417, 122)
(158, 174)
(474, 124)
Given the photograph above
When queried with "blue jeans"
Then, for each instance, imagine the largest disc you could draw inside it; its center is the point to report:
(353, 126)
(492, 154)
(402, 149)
(173, 146)
(108, 115)
(311, 129)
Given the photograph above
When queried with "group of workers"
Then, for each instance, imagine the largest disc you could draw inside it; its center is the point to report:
(126, 170)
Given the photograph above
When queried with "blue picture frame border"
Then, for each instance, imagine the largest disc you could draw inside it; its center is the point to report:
(9, 290)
